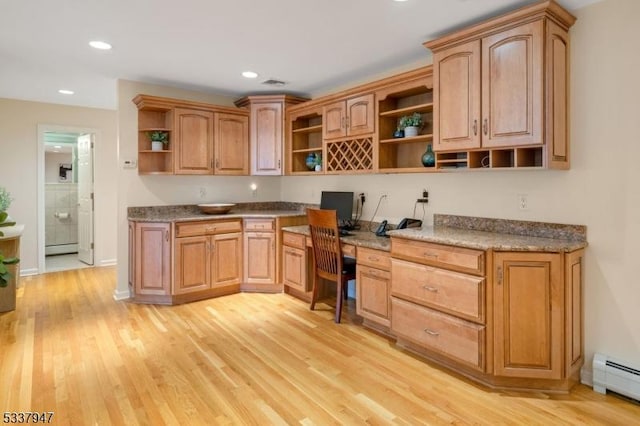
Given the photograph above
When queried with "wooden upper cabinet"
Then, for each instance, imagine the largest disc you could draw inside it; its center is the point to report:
(193, 142)
(351, 117)
(267, 130)
(456, 97)
(266, 138)
(231, 144)
(333, 120)
(520, 79)
(512, 93)
(528, 315)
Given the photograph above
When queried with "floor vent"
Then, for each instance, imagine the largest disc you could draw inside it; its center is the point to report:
(615, 375)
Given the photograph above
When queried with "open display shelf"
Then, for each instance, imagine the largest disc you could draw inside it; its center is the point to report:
(497, 158)
(152, 119)
(404, 154)
(306, 138)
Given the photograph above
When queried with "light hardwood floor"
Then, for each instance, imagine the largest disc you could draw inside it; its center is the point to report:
(241, 359)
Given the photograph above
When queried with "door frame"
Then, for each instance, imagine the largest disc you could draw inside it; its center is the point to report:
(54, 128)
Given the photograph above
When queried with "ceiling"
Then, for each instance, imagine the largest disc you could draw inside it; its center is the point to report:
(312, 45)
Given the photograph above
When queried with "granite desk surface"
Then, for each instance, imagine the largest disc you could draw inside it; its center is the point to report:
(192, 212)
(477, 233)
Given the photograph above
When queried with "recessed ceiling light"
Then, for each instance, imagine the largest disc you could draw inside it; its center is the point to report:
(100, 45)
(249, 74)
(57, 146)
(66, 92)
(399, 0)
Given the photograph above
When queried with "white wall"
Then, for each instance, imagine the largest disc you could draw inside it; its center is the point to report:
(52, 162)
(19, 122)
(135, 190)
(600, 191)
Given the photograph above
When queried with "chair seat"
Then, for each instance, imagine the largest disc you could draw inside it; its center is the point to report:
(348, 266)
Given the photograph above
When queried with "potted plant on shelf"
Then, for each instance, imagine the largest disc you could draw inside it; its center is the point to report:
(411, 124)
(159, 140)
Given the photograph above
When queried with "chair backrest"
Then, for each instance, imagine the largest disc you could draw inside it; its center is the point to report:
(325, 239)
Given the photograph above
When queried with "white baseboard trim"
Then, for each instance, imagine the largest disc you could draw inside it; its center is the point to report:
(121, 295)
(108, 262)
(30, 271)
(586, 375)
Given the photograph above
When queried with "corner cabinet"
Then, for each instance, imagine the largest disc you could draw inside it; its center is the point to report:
(260, 250)
(267, 130)
(501, 91)
(204, 139)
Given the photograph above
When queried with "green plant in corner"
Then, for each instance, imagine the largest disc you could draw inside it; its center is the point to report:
(5, 202)
(159, 136)
(413, 120)
(4, 271)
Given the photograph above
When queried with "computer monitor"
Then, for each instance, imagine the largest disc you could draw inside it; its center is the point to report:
(340, 201)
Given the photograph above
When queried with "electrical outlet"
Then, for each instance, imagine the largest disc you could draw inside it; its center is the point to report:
(202, 192)
(362, 197)
(523, 202)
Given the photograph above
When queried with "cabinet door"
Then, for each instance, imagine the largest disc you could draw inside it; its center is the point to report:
(260, 255)
(372, 289)
(266, 138)
(528, 315)
(192, 271)
(294, 269)
(360, 115)
(232, 144)
(512, 102)
(152, 259)
(226, 259)
(456, 97)
(333, 120)
(193, 142)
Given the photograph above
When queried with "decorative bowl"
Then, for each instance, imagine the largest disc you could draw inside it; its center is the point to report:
(215, 208)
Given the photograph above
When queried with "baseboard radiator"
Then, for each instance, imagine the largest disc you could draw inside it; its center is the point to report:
(615, 375)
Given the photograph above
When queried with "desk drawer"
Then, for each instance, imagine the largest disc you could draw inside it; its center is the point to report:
(453, 337)
(456, 258)
(374, 258)
(263, 225)
(452, 292)
(293, 240)
(191, 229)
(348, 250)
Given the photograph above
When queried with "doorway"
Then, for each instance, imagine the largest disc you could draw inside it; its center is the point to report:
(65, 198)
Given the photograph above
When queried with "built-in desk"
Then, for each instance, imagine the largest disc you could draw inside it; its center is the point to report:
(373, 271)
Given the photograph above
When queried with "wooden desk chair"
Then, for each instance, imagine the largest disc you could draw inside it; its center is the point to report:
(328, 260)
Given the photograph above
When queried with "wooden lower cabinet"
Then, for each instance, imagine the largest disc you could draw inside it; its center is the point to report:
(226, 260)
(296, 267)
(528, 315)
(517, 326)
(152, 262)
(260, 250)
(373, 287)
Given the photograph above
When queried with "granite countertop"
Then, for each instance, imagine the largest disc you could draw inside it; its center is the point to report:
(367, 239)
(484, 240)
(192, 213)
(478, 233)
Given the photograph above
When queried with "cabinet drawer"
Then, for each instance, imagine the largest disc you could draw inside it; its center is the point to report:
(259, 225)
(348, 250)
(456, 258)
(453, 337)
(452, 292)
(190, 229)
(293, 240)
(374, 258)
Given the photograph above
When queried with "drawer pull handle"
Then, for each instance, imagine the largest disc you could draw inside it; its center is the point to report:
(431, 332)
(431, 289)
(374, 258)
(427, 254)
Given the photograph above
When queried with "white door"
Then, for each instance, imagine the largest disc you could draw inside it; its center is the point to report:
(85, 199)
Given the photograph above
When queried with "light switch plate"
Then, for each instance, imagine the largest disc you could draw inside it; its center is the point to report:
(129, 163)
